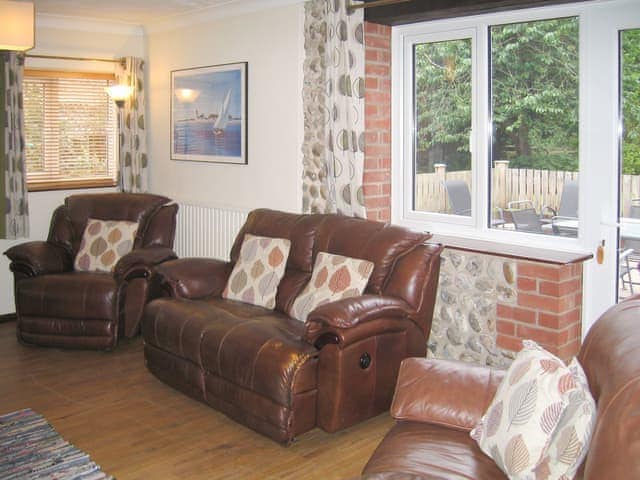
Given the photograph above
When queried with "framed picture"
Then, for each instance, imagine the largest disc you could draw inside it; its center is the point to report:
(209, 114)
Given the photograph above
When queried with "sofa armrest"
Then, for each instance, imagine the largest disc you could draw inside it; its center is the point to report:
(450, 393)
(371, 314)
(39, 258)
(192, 277)
(350, 312)
(140, 262)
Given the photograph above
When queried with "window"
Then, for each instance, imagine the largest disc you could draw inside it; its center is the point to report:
(629, 149)
(442, 159)
(534, 112)
(490, 124)
(70, 130)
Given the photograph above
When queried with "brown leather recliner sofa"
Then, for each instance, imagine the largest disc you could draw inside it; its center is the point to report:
(277, 375)
(431, 437)
(58, 306)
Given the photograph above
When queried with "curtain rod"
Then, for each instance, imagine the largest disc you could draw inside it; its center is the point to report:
(376, 3)
(85, 59)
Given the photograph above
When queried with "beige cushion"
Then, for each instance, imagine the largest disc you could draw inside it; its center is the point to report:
(258, 271)
(519, 424)
(334, 277)
(104, 242)
(570, 442)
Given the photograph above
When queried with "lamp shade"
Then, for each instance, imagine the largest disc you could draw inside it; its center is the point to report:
(119, 93)
(17, 25)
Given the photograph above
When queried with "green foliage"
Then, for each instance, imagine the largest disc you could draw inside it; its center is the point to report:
(630, 40)
(534, 82)
(631, 156)
(443, 103)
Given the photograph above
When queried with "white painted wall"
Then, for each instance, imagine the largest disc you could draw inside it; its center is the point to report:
(270, 38)
(271, 41)
(60, 36)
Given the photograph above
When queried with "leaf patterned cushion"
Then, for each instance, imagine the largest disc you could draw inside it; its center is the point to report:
(334, 277)
(257, 273)
(103, 243)
(518, 427)
(570, 442)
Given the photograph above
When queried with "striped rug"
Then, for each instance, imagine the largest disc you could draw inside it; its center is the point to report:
(31, 449)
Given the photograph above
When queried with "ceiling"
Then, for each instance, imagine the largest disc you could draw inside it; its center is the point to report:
(130, 11)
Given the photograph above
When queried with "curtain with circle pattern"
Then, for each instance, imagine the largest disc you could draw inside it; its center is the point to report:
(134, 172)
(13, 188)
(333, 97)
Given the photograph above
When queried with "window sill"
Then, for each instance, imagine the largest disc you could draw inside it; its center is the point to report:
(69, 185)
(519, 252)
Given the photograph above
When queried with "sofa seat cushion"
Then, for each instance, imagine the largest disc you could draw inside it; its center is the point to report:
(254, 348)
(73, 296)
(430, 451)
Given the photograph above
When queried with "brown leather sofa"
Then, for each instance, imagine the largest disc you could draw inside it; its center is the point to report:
(431, 437)
(59, 307)
(277, 375)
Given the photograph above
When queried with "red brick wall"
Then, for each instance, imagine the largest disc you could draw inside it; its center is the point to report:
(377, 163)
(549, 296)
(548, 309)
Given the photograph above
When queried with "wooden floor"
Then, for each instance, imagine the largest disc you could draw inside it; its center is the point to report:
(135, 427)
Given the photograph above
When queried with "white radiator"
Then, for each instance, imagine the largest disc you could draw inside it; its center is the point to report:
(207, 231)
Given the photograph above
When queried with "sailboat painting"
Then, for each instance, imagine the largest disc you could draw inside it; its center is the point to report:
(209, 114)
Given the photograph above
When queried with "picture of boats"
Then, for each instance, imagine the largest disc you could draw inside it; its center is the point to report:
(208, 114)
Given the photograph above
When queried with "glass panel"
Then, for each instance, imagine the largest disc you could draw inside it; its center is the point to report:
(442, 160)
(70, 128)
(629, 248)
(34, 126)
(534, 148)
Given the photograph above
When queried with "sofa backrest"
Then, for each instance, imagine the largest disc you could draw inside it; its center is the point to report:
(69, 220)
(301, 230)
(610, 356)
(377, 242)
(384, 245)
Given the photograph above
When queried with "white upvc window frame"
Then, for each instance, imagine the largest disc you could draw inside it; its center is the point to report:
(599, 23)
(407, 144)
(476, 28)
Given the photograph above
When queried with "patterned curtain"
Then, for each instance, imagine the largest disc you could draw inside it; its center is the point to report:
(334, 109)
(134, 172)
(13, 188)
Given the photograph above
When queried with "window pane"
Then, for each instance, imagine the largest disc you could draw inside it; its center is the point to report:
(34, 126)
(629, 277)
(442, 161)
(534, 102)
(70, 126)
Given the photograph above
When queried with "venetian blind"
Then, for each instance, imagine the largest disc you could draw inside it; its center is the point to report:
(70, 130)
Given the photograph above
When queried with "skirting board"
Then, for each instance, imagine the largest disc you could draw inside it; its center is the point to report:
(8, 317)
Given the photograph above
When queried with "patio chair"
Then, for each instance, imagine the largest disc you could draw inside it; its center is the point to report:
(564, 226)
(634, 210)
(527, 220)
(624, 269)
(568, 208)
(460, 200)
(459, 197)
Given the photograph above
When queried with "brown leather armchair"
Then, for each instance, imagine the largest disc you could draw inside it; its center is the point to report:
(59, 307)
(273, 373)
(438, 402)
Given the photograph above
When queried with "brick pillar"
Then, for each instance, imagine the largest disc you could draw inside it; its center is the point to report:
(548, 309)
(377, 155)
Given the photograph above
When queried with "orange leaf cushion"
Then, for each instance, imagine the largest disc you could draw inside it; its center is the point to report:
(258, 271)
(103, 243)
(334, 277)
